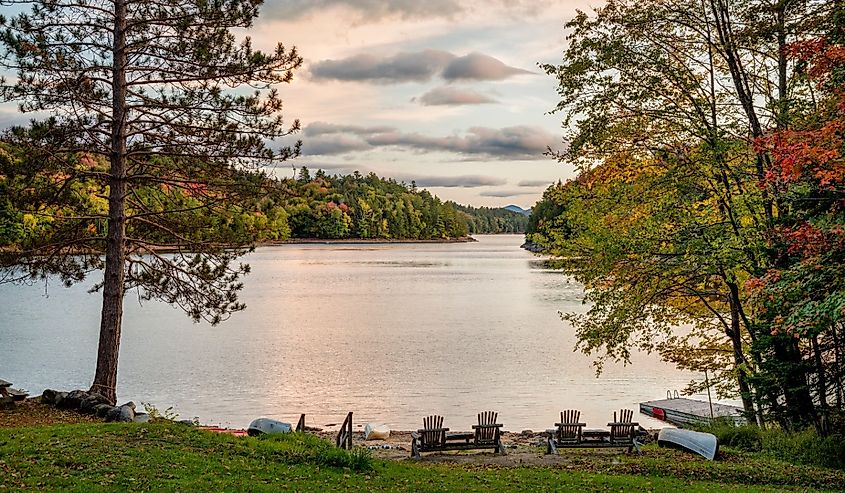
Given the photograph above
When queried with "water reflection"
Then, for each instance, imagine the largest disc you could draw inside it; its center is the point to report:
(391, 332)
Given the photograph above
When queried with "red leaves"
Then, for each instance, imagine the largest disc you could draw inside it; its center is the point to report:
(814, 154)
(812, 151)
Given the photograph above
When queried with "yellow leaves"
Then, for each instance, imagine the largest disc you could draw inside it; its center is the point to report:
(624, 167)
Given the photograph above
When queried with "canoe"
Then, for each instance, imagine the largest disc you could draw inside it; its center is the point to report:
(703, 444)
(261, 426)
(376, 431)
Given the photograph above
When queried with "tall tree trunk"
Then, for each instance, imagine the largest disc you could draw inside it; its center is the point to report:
(800, 411)
(821, 387)
(105, 378)
(782, 117)
(724, 29)
(837, 365)
(739, 356)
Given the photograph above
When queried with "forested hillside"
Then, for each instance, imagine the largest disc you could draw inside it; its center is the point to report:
(491, 219)
(258, 208)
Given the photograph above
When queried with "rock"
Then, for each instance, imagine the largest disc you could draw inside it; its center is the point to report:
(90, 403)
(532, 247)
(60, 396)
(142, 418)
(527, 433)
(102, 409)
(49, 396)
(72, 400)
(122, 414)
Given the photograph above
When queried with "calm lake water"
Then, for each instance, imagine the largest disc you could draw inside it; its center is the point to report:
(392, 332)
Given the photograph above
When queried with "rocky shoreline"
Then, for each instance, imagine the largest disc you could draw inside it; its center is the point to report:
(92, 404)
(532, 247)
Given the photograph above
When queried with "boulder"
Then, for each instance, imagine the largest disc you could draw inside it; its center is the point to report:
(49, 396)
(102, 409)
(72, 400)
(142, 418)
(122, 414)
(90, 403)
(52, 397)
(6, 403)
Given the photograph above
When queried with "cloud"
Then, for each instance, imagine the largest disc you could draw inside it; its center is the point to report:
(533, 183)
(478, 66)
(324, 145)
(452, 96)
(465, 181)
(323, 128)
(504, 193)
(520, 142)
(370, 11)
(367, 10)
(461, 181)
(403, 67)
(418, 66)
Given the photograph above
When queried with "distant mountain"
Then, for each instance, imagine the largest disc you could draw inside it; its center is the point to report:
(517, 209)
(492, 220)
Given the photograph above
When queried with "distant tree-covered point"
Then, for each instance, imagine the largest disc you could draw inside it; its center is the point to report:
(309, 206)
(491, 220)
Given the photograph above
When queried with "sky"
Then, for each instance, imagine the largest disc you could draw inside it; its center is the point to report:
(446, 93)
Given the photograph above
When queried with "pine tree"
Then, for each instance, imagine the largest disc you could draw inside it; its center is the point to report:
(165, 95)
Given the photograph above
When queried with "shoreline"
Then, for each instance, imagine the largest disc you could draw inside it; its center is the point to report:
(360, 241)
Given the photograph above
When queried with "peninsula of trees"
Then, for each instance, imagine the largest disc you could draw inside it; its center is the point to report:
(321, 206)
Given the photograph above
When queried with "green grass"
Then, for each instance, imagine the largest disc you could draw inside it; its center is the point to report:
(112, 457)
(803, 447)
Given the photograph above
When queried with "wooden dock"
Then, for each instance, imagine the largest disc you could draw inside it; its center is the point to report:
(682, 411)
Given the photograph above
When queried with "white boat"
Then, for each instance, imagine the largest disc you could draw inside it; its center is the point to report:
(261, 426)
(376, 431)
(703, 444)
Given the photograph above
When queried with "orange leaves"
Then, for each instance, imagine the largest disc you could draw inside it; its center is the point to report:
(814, 154)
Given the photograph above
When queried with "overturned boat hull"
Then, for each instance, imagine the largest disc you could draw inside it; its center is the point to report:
(263, 426)
(703, 444)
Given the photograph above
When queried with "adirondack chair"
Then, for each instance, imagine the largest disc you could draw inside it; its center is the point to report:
(432, 436)
(488, 432)
(567, 433)
(624, 431)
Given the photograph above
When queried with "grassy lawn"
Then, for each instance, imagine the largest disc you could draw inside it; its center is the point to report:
(108, 457)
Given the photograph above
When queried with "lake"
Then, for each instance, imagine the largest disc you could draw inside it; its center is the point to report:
(392, 332)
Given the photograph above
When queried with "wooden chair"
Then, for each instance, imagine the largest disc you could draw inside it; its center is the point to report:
(567, 433)
(433, 437)
(624, 431)
(488, 432)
